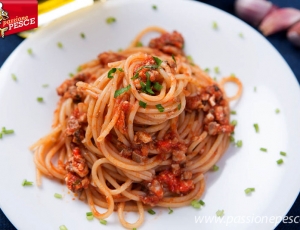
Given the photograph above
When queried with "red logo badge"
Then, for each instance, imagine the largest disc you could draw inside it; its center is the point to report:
(17, 16)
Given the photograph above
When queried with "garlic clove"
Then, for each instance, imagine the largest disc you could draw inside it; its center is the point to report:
(278, 20)
(294, 34)
(253, 11)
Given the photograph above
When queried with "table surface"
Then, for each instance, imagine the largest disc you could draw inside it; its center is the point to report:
(289, 52)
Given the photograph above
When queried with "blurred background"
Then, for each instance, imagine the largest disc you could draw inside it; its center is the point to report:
(51, 9)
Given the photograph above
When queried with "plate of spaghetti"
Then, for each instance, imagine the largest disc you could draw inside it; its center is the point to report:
(129, 115)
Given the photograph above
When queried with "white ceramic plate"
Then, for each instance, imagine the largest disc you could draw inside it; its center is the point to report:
(251, 58)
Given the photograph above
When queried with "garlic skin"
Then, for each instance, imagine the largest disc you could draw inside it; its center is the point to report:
(294, 34)
(278, 20)
(253, 11)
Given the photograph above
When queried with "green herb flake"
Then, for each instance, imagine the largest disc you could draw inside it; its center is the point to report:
(60, 45)
(280, 161)
(160, 108)
(135, 76)
(7, 131)
(239, 143)
(232, 112)
(277, 111)
(157, 61)
(82, 35)
(215, 168)
(231, 138)
(207, 70)
(29, 51)
(104, 222)
(150, 211)
(45, 85)
(254, 88)
(190, 59)
(154, 7)
(139, 44)
(263, 149)
(201, 202)
(170, 210)
(109, 74)
(157, 86)
(215, 25)
(111, 20)
(241, 35)
(63, 227)
(134, 229)
(57, 195)
(143, 104)
(1, 135)
(71, 74)
(173, 57)
(79, 68)
(220, 213)
(233, 122)
(40, 99)
(14, 77)
(148, 84)
(179, 106)
(249, 190)
(195, 204)
(27, 183)
(283, 153)
(256, 127)
(217, 70)
(121, 91)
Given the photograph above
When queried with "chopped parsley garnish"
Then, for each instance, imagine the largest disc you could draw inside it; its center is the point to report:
(79, 68)
(104, 222)
(1, 135)
(195, 204)
(277, 111)
(170, 210)
(14, 77)
(57, 195)
(27, 183)
(157, 86)
(154, 7)
(173, 57)
(143, 104)
(201, 202)
(215, 25)
(71, 74)
(150, 211)
(179, 106)
(220, 213)
(232, 75)
(82, 35)
(89, 216)
(29, 51)
(121, 91)
(239, 143)
(7, 131)
(45, 85)
(109, 74)
(233, 112)
(254, 89)
(190, 59)
(249, 190)
(241, 35)
(207, 70)
(233, 122)
(110, 20)
(139, 44)
(231, 138)
(148, 84)
(40, 99)
(263, 149)
(157, 61)
(256, 127)
(217, 70)
(60, 45)
(136, 75)
(280, 161)
(63, 227)
(215, 168)
(160, 108)
(283, 153)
